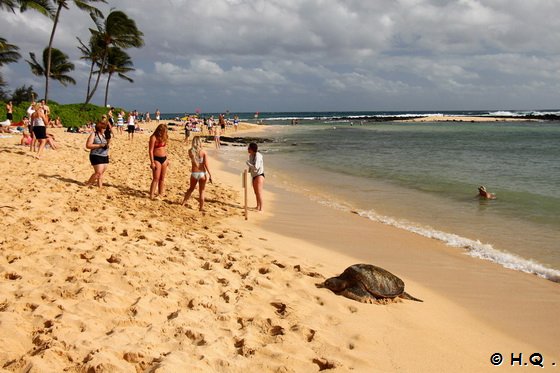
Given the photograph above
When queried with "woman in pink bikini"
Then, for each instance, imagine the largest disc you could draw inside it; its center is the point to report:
(157, 149)
(199, 172)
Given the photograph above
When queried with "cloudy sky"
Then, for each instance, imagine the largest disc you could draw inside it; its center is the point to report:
(312, 55)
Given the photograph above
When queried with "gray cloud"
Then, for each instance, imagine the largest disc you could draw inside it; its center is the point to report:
(281, 55)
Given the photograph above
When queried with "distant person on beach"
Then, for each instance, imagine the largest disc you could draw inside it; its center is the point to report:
(158, 115)
(222, 122)
(25, 138)
(46, 109)
(482, 193)
(108, 128)
(120, 122)
(111, 119)
(217, 131)
(99, 153)
(187, 131)
(157, 149)
(200, 172)
(235, 122)
(131, 125)
(40, 121)
(256, 168)
(10, 111)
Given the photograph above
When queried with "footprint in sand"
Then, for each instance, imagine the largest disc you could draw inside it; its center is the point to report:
(324, 364)
(281, 308)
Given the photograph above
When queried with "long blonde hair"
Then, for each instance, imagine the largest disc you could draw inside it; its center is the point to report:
(161, 133)
(195, 149)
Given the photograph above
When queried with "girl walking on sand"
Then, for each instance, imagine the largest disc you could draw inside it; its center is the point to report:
(157, 149)
(199, 172)
(99, 153)
(131, 125)
(40, 121)
(256, 168)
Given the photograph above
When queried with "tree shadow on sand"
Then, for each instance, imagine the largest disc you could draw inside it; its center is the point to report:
(19, 152)
(123, 189)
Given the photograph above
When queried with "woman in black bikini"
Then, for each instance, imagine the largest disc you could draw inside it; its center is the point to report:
(157, 149)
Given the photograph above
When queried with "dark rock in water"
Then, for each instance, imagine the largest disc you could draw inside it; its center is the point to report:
(547, 117)
(239, 140)
(245, 140)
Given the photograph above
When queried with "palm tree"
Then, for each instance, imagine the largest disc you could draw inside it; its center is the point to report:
(118, 61)
(119, 31)
(42, 6)
(8, 52)
(92, 52)
(63, 4)
(60, 66)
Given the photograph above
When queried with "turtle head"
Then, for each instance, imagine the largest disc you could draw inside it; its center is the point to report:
(335, 284)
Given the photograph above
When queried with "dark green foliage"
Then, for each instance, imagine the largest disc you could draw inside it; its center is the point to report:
(23, 94)
(71, 115)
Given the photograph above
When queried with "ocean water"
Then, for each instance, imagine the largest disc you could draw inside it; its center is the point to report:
(423, 177)
(349, 116)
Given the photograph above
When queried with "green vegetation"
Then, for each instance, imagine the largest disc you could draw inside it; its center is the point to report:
(71, 115)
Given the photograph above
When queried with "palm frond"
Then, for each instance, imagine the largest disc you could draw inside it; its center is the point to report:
(36, 68)
(8, 52)
(45, 7)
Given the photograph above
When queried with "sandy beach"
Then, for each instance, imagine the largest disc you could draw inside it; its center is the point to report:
(110, 281)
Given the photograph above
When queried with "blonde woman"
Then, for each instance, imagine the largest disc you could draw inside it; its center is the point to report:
(157, 149)
(200, 173)
(40, 121)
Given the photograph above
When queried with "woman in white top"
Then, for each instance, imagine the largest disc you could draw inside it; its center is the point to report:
(120, 122)
(131, 125)
(39, 120)
(256, 168)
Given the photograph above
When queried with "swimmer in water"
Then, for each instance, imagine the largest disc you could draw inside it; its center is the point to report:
(482, 193)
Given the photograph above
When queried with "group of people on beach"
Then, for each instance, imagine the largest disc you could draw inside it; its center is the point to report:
(37, 120)
(98, 143)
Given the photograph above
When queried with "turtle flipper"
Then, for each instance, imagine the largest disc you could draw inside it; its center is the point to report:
(359, 294)
(405, 295)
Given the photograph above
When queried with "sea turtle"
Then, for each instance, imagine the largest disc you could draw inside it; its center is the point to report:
(368, 284)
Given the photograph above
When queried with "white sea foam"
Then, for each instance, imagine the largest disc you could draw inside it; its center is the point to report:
(473, 248)
(507, 113)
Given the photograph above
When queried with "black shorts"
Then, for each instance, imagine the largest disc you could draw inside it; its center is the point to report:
(130, 129)
(98, 159)
(10, 116)
(108, 133)
(40, 132)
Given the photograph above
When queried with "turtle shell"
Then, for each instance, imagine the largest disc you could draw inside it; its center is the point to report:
(377, 281)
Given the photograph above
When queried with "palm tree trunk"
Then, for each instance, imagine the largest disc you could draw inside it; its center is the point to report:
(103, 62)
(107, 89)
(48, 73)
(89, 79)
